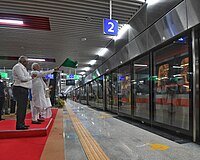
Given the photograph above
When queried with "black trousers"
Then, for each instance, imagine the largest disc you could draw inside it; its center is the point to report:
(21, 96)
(2, 100)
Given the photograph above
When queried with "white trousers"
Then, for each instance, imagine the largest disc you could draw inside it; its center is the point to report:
(35, 112)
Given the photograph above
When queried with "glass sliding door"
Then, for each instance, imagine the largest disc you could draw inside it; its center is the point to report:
(108, 92)
(91, 95)
(141, 86)
(114, 90)
(124, 84)
(171, 83)
(84, 95)
(100, 92)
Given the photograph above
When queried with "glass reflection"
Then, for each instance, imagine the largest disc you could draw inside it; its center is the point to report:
(141, 87)
(108, 92)
(124, 79)
(171, 83)
(114, 92)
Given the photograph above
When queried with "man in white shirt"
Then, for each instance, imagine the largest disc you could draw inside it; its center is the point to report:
(22, 82)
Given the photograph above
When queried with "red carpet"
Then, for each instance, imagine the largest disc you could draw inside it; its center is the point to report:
(23, 148)
(7, 127)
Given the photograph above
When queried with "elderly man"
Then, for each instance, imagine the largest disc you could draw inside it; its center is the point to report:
(39, 101)
(22, 82)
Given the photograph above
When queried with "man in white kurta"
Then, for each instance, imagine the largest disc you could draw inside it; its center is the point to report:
(39, 101)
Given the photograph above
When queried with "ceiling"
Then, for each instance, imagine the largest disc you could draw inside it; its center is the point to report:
(71, 22)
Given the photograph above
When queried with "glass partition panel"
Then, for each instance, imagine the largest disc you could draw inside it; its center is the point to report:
(95, 93)
(108, 92)
(84, 95)
(172, 84)
(100, 92)
(90, 95)
(124, 79)
(141, 87)
(114, 92)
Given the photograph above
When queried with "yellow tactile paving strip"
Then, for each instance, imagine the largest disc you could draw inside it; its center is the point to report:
(91, 148)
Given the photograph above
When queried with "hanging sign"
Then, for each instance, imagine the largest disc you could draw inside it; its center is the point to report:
(4, 74)
(110, 27)
(73, 77)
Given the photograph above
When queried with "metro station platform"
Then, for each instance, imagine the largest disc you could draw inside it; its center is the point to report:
(92, 134)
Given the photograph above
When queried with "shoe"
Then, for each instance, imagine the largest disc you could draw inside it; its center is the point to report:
(1, 119)
(41, 120)
(36, 122)
(21, 128)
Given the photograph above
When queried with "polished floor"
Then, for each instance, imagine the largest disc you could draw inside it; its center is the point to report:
(120, 140)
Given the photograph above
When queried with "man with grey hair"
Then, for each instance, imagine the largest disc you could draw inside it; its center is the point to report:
(22, 82)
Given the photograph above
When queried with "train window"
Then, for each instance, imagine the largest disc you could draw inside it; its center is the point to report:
(140, 83)
(171, 85)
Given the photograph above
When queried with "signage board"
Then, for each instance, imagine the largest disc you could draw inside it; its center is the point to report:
(4, 74)
(110, 27)
(73, 77)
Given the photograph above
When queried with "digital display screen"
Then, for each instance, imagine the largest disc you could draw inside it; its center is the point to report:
(70, 82)
(49, 76)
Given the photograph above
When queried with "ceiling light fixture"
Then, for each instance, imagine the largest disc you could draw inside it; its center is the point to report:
(152, 2)
(36, 59)
(92, 62)
(140, 65)
(83, 39)
(122, 31)
(102, 52)
(13, 22)
(82, 73)
(86, 68)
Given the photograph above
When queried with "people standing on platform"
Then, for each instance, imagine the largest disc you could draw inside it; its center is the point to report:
(22, 82)
(2, 97)
(12, 100)
(39, 101)
(7, 98)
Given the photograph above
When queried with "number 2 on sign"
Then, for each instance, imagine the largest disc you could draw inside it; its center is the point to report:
(111, 27)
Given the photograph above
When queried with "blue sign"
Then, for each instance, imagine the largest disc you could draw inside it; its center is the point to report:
(71, 76)
(182, 40)
(110, 27)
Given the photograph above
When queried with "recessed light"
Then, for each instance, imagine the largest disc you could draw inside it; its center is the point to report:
(83, 39)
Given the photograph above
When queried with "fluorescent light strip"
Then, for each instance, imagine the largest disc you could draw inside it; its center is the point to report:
(86, 68)
(122, 31)
(14, 22)
(92, 62)
(81, 73)
(102, 52)
(140, 65)
(36, 59)
(152, 2)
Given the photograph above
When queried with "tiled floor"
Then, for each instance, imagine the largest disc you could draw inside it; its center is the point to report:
(121, 140)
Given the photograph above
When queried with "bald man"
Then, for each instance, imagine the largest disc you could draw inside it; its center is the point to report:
(22, 82)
